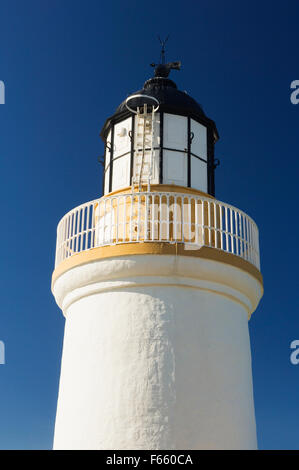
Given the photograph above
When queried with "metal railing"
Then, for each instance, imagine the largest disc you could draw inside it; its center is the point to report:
(158, 217)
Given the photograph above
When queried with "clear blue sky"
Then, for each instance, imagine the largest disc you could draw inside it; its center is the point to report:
(66, 66)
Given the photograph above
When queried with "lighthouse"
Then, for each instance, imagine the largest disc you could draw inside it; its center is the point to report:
(157, 280)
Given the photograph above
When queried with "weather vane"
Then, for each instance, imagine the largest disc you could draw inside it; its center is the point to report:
(163, 69)
(162, 56)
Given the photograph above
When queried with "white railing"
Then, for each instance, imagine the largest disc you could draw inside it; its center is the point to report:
(158, 217)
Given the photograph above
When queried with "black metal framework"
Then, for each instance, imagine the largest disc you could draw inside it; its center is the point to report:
(161, 148)
(105, 166)
(118, 157)
(189, 153)
(111, 159)
(210, 163)
(104, 173)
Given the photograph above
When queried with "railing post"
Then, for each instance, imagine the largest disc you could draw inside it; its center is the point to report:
(237, 231)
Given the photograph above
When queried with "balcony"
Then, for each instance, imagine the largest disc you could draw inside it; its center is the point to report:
(164, 217)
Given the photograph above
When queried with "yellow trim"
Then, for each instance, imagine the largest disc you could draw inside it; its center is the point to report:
(167, 188)
(154, 248)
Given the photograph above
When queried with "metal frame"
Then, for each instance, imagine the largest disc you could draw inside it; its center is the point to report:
(111, 159)
(189, 152)
(210, 150)
(161, 147)
(140, 95)
(210, 163)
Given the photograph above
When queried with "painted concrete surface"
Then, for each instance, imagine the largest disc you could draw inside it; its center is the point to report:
(156, 355)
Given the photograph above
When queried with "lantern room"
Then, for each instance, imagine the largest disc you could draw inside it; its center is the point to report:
(159, 135)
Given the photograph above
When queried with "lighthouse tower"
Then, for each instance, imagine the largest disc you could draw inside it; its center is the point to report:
(157, 280)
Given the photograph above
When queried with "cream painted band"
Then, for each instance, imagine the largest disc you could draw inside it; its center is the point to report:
(147, 281)
(167, 188)
(154, 248)
(99, 273)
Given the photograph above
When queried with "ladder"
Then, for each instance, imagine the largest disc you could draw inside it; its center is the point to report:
(144, 147)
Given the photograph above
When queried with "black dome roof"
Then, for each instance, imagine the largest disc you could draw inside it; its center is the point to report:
(170, 100)
(166, 92)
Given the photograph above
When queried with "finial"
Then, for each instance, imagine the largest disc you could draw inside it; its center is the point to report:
(162, 56)
(163, 69)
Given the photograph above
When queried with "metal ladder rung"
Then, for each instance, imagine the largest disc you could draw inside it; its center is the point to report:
(145, 146)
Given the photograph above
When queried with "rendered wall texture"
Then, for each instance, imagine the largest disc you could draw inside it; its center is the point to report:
(155, 361)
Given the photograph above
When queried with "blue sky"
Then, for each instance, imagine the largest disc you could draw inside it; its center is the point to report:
(66, 67)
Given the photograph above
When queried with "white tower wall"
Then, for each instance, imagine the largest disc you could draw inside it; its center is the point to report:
(156, 354)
